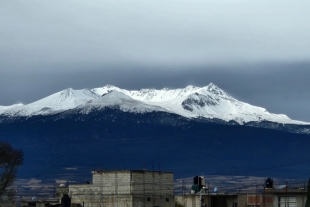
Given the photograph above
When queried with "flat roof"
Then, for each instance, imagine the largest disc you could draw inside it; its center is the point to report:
(140, 171)
(39, 200)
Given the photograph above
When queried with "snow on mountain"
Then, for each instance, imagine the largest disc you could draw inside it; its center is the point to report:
(116, 98)
(3, 108)
(149, 95)
(60, 101)
(209, 102)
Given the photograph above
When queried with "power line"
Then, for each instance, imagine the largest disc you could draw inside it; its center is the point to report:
(269, 168)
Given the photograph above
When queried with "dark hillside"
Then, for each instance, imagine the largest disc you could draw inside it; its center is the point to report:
(112, 139)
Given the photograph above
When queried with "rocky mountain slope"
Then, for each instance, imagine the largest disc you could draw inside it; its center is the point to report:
(209, 103)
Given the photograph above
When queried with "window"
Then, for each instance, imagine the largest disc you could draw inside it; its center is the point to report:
(287, 202)
(167, 199)
(148, 199)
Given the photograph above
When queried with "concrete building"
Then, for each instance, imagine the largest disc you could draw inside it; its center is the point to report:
(285, 197)
(270, 198)
(219, 200)
(128, 188)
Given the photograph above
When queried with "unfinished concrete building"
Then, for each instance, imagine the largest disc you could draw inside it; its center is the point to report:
(128, 188)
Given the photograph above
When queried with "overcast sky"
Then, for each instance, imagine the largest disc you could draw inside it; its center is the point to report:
(258, 51)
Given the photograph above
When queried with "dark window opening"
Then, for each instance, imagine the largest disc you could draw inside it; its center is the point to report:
(167, 199)
(148, 199)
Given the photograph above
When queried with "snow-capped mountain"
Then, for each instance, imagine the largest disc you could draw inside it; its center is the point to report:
(209, 102)
(116, 98)
(58, 102)
(78, 126)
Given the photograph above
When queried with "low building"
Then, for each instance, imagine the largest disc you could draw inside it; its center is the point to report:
(288, 197)
(128, 188)
(270, 198)
(219, 200)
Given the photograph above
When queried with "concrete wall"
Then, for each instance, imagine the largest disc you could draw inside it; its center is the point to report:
(113, 182)
(155, 183)
(125, 188)
(192, 200)
(103, 200)
(155, 200)
(7, 204)
(87, 193)
(231, 199)
(152, 189)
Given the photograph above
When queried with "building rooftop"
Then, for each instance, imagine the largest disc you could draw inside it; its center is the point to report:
(139, 171)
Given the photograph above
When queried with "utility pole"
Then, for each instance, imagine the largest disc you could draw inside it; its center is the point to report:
(183, 191)
(256, 195)
(303, 198)
(202, 191)
(182, 181)
(264, 196)
(285, 193)
(209, 200)
(54, 188)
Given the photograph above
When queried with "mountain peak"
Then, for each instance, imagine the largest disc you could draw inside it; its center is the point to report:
(57, 102)
(191, 87)
(116, 95)
(214, 89)
(109, 86)
(212, 86)
(67, 92)
(105, 89)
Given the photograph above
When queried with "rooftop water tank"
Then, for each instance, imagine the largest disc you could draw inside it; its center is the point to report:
(269, 183)
(65, 201)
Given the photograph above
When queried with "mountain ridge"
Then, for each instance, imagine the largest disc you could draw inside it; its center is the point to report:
(210, 103)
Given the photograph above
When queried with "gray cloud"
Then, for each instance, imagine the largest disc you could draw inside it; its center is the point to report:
(174, 32)
(258, 51)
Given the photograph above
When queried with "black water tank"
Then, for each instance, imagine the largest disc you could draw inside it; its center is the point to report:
(269, 183)
(32, 204)
(197, 180)
(65, 201)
